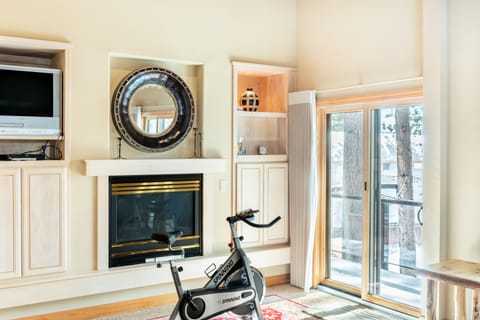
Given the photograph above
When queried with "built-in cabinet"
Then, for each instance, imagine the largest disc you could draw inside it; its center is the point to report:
(34, 213)
(260, 149)
(264, 186)
(10, 226)
(44, 220)
(32, 221)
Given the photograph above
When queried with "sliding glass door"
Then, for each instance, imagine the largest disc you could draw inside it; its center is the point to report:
(396, 203)
(345, 197)
(373, 203)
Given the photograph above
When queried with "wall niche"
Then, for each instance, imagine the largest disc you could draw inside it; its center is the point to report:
(190, 72)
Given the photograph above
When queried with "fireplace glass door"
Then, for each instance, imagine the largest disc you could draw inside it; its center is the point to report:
(142, 205)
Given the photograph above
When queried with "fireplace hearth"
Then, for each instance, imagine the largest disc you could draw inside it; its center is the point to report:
(142, 205)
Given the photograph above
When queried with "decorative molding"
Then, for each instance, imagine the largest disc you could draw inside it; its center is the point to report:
(371, 88)
(375, 98)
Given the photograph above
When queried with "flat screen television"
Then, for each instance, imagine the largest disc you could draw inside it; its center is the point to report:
(30, 101)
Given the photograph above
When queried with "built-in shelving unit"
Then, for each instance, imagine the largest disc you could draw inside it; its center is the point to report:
(260, 149)
(45, 54)
(266, 127)
(34, 210)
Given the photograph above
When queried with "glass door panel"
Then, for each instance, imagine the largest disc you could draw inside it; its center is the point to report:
(345, 188)
(396, 203)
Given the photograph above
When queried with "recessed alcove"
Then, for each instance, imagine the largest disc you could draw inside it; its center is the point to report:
(121, 65)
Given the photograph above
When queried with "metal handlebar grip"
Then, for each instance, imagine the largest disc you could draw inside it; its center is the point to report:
(247, 213)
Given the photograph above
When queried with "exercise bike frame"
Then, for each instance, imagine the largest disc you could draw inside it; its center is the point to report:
(216, 291)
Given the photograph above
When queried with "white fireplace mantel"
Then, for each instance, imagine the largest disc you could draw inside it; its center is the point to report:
(123, 167)
(102, 169)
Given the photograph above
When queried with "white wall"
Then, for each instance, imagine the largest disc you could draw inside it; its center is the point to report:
(209, 32)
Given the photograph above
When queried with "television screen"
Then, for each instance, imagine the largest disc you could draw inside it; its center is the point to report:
(26, 94)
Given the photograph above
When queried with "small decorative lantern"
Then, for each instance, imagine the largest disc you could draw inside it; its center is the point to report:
(250, 100)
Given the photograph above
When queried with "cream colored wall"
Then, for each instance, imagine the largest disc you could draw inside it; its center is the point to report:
(451, 67)
(211, 33)
(464, 134)
(343, 43)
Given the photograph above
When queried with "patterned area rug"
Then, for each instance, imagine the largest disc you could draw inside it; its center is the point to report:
(315, 306)
(274, 307)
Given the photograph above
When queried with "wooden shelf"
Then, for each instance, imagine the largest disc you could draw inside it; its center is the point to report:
(271, 90)
(261, 114)
(262, 158)
(31, 163)
(31, 137)
(262, 130)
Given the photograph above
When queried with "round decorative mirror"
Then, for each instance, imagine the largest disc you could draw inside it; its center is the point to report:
(153, 109)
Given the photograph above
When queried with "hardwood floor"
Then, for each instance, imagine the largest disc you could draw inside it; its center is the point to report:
(130, 305)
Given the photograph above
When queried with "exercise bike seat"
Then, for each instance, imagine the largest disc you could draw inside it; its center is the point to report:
(168, 238)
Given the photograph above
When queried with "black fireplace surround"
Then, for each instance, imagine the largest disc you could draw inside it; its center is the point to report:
(142, 205)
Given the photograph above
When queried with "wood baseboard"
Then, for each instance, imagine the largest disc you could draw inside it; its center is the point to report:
(277, 280)
(131, 305)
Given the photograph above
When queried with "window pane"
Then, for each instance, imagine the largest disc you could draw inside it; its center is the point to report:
(397, 189)
(345, 197)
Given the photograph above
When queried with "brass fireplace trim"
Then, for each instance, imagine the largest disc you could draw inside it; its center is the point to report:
(155, 187)
(134, 243)
(132, 253)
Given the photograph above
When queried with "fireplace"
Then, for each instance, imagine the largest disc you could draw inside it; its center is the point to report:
(142, 205)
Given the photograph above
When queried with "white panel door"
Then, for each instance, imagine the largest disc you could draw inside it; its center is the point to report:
(276, 201)
(250, 196)
(10, 258)
(43, 220)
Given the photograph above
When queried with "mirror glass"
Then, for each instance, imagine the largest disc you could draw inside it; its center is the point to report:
(152, 109)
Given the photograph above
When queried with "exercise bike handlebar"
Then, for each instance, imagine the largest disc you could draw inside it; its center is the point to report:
(264, 225)
(245, 215)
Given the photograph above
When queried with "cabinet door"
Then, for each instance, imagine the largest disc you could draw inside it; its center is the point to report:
(250, 196)
(10, 223)
(276, 202)
(44, 210)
